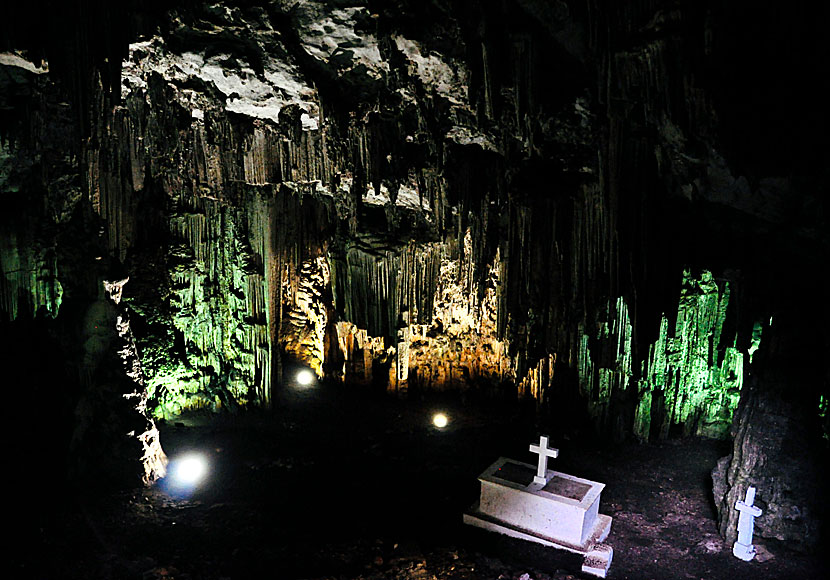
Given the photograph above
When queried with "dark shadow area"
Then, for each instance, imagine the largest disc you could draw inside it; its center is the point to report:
(339, 483)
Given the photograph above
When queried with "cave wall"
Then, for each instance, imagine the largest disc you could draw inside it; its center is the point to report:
(776, 445)
(595, 206)
(67, 344)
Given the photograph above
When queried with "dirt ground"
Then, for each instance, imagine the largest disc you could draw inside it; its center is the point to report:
(334, 485)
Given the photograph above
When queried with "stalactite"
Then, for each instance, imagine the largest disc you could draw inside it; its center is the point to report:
(253, 191)
(359, 350)
(538, 379)
(241, 278)
(262, 160)
(237, 249)
(701, 380)
(478, 225)
(153, 458)
(688, 381)
(444, 333)
(302, 335)
(30, 266)
(28, 273)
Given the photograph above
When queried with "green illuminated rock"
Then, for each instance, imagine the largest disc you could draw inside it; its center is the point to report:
(690, 381)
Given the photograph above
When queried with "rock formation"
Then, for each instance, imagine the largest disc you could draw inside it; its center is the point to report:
(598, 206)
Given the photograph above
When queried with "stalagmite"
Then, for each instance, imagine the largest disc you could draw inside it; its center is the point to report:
(573, 204)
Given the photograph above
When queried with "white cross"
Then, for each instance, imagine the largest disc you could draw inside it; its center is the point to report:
(544, 452)
(743, 547)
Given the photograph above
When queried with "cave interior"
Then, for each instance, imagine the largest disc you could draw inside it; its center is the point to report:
(285, 234)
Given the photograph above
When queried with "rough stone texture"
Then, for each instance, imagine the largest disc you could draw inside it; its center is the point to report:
(304, 328)
(110, 419)
(769, 453)
(241, 145)
(40, 191)
(53, 266)
(505, 195)
(461, 347)
(693, 376)
(775, 445)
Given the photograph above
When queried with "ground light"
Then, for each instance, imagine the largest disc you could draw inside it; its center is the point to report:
(185, 473)
(305, 377)
(440, 420)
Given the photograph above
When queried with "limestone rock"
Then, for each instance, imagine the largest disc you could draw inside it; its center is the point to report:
(771, 452)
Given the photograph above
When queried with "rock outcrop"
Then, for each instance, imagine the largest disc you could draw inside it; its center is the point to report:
(560, 200)
(777, 434)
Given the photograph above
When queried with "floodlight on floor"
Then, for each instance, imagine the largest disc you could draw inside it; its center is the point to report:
(440, 420)
(188, 470)
(305, 377)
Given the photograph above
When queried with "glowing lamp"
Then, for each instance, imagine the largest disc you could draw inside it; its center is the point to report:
(440, 420)
(305, 377)
(189, 470)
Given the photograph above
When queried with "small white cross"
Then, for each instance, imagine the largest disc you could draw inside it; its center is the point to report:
(544, 452)
(743, 547)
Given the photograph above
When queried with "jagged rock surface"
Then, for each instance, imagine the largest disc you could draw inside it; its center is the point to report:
(775, 445)
(561, 200)
(769, 454)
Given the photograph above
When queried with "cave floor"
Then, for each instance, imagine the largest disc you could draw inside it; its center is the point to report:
(363, 487)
